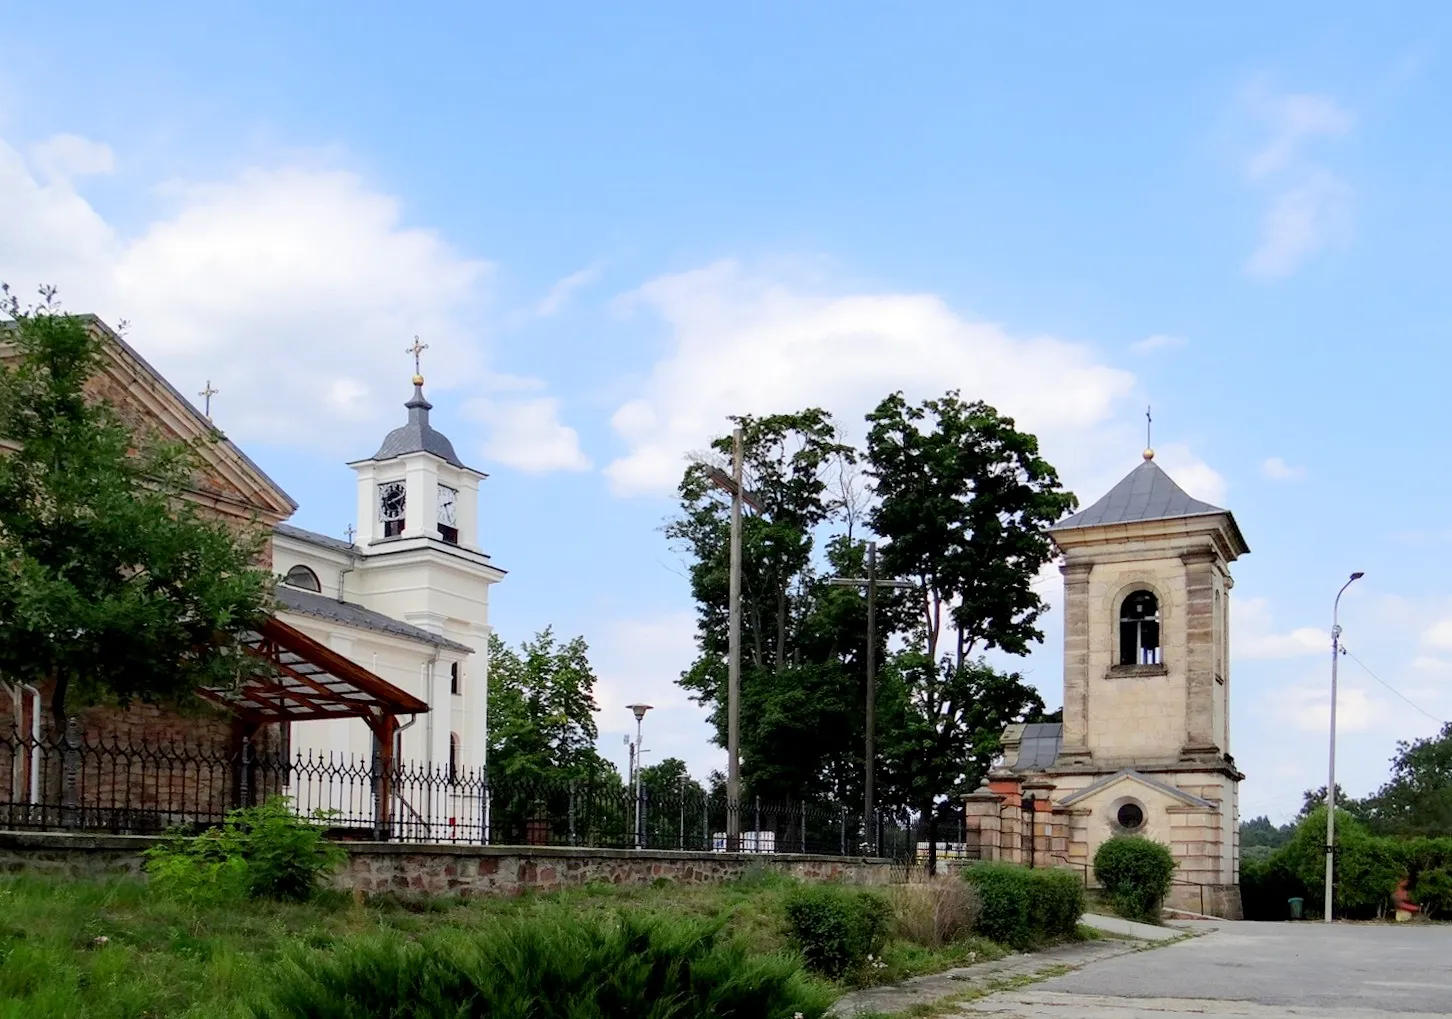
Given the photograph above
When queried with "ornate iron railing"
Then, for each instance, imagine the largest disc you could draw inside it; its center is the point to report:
(78, 784)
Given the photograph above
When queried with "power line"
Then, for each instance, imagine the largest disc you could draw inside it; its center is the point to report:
(1418, 707)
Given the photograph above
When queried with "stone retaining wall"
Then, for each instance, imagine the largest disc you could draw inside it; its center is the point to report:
(452, 869)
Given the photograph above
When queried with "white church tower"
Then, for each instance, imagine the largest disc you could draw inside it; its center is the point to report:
(407, 598)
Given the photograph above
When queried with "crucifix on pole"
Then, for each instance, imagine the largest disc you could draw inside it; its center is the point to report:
(872, 583)
(734, 486)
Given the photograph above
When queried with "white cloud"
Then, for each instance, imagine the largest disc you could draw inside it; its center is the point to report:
(561, 293)
(638, 661)
(1438, 635)
(1251, 636)
(1159, 341)
(1277, 469)
(294, 289)
(528, 435)
(1194, 475)
(1292, 120)
(63, 156)
(1301, 221)
(745, 342)
(1308, 206)
(1308, 708)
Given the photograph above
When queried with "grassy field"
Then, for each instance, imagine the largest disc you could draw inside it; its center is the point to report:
(117, 950)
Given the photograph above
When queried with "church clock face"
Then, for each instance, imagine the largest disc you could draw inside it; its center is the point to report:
(448, 506)
(391, 500)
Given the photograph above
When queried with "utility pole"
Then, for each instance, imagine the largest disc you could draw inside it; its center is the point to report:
(870, 756)
(737, 490)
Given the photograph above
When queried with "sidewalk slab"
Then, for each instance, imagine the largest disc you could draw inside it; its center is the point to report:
(1130, 928)
(891, 998)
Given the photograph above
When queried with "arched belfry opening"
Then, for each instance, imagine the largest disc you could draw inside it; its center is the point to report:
(1139, 629)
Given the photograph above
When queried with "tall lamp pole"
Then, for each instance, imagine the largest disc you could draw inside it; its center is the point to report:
(733, 485)
(640, 710)
(872, 583)
(1331, 770)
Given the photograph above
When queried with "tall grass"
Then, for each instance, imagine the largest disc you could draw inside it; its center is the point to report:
(936, 912)
(559, 966)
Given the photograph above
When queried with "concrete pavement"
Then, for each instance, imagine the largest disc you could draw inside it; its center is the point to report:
(1256, 971)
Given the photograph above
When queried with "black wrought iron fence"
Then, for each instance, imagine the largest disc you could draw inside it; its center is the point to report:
(78, 784)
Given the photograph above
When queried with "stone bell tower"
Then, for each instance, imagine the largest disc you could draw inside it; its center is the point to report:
(1144, 747)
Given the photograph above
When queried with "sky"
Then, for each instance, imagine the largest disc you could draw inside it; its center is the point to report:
(614, 225)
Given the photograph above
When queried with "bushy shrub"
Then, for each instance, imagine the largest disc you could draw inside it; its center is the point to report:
(1021, 907)
(935, 913)
(547, 966)
(263, 852)
(1368, 867)
(1267, 887)
(1433, 892)
(1136, 873)
(837, 928)
(1056, 902)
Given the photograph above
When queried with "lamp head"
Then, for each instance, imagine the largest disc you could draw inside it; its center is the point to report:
(639, 709)
(1357, 575)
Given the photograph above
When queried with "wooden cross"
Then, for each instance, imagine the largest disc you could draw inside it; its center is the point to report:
(417, 351)
(206, 395)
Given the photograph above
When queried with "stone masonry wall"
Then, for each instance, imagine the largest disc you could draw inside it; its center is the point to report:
(452, 869)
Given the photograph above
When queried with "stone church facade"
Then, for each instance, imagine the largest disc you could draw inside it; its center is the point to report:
(1144, 747)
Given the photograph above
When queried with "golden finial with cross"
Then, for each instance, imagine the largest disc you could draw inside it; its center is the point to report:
(1149, 449)
(417, 351)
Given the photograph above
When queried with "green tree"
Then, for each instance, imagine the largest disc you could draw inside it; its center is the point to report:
(802, 641)
(112, 586)
(1259, 831)
(964, 503)
(542, 712)
(1417, 800)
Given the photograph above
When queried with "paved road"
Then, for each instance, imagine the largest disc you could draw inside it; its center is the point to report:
(1254, 970)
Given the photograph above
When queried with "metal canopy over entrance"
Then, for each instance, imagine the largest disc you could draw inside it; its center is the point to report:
(307, 681)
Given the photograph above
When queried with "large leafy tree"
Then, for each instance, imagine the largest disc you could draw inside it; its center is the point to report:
(1417, 799)
(801, 699)
(112, 586)
(964, 501)
(542, 712)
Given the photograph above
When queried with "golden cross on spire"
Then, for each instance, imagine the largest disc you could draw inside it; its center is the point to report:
(417, 351)
(206, 395)
(1149, 449)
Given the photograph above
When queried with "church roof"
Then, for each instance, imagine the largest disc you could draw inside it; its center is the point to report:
(306, 603)
(1146, 493)
(417, 436)
(314, 538)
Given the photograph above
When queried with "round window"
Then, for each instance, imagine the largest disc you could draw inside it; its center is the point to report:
(1130, 816)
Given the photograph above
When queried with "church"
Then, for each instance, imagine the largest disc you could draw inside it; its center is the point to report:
(1144, 746)
(376, 646)
(407, 597)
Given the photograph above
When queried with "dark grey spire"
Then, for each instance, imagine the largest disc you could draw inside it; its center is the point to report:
(418, 436)
(1146, 493)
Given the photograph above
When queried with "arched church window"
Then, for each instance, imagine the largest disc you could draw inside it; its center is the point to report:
(449, 514)
(1139, 629)
(303, 578)
(454, 678)
(453, 758)
(392, 502)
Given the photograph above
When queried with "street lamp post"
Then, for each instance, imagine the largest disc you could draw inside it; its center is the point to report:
(640, 710)
(1331, 770)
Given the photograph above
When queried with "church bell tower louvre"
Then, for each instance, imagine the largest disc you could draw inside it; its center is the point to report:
(1144, 747)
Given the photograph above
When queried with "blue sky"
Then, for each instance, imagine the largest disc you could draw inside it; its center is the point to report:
(614, 227)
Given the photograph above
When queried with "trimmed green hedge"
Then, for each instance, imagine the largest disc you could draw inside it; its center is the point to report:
(837, 928)
(1369, 868)
(1023, 907)
(1136, 873)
